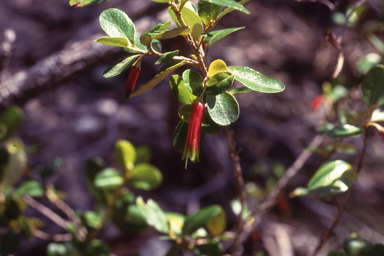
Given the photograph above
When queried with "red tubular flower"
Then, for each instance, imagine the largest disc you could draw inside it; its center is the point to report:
(192, 144)
(317, 102)
(132, 78)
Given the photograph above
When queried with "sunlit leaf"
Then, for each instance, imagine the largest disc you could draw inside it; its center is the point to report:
(223, 108)
(114, 41)
(181, 92)
(185, 113)
(166, 56)
(116, 23)
(208, 11)
(145, 176)
(216, 225)
(199, 219)
(153, 214)
(373, 86)
(108, 179)
(119, 66)
(255, 80)
(194, 81)
(125, 154)
(217, 66)
(378, 115)
(345, 131)
(229, 3)
(31, 188)
(219, 83)
(214, 36)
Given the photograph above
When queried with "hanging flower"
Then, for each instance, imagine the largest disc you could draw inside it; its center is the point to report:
(132, 78)
(192, 144)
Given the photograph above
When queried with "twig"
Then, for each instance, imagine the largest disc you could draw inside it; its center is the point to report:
(240, 188)
(56, 238)
(324, 239)
(45, 211)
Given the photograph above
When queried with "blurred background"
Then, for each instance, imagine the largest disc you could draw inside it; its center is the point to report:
(71, 113)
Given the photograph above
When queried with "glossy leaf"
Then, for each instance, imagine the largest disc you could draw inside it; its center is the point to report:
(31, 188)
(159, 27)
(108, 179)
(209, 126)
(153, 214)
(180, 91)
(208, 11)
(93, 167)
(125, 154)
(145, 176)
(10, 121)
(119, 66)
(172, 33)
(116, 23)
(185, 113)
(214, 36)
(166, 56)
(216, 225)
(163, 73)
(230, 9)
(176, 222)
(193, 21)
(180, 136)
(345, 131)
(219, 83)
(114, 41)
(194, 81)
(216, 67)
(223, 108)
(199, 219)
(378, 115)
(332, 178)
(229, 3)
(255, 80)
(240, 90)
(373, 86)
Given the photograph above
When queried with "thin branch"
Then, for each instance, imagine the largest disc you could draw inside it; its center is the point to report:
(45, 211)
(56, 238)
(240, 189)
(324, 239)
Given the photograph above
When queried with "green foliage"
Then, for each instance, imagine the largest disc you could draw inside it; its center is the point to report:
(10, 122)
(119, 66)
(214, 36)
(223, 108)
(373, 86)
(200, 218)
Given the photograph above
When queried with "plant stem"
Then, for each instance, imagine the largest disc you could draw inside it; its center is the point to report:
(324, 239)
(240, 189)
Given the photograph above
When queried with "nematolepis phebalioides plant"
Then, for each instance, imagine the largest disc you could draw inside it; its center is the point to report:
(205, 90)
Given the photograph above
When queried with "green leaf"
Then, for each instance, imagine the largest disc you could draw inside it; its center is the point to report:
(219, 83)
(193, 21)
(145, 176)
(208, 11)
(159, 27)
(255, 80)
(356, 246)
(92, 219)
(216, 225)
(9, 243)
(140, 48)
(217, 66)
(160, 1)
(27, 226)
(378, 115)
(214, 36)
(240, 90)
(163, 73)
(185, 113)
(125, 154)
(108, 179)
(31, 188)
(176, 222)
(82, 3)
(180, 91)
(126, 215)
(116, 23)
(229, 9)
(172, 33)
(93, 167)
(194, 81)
(229, 3)
(97, 248)
(114, 41)
(373, 86)
(143, 155)
(153, 214)
(332, 178)
(16, 164)
(180, 136)
(212, 248)
(209, 126)
(10, 121)
(345, 131)
(166, 56)
(119, 66)
(223, 108)
(368, 61)
(56, 249)
(198, 219)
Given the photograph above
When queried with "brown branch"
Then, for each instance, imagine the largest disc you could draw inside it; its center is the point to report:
(240, 189)
(56, 238)
(45, 211)
(324, 239)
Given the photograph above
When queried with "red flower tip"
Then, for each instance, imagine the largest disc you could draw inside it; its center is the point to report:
(192, 143)
(381, 133)
(132, 78)
(317, 102)
(78, 5)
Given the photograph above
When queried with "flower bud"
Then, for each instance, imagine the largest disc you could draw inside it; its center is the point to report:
(192, 144)
(317, 102)
(132, 78)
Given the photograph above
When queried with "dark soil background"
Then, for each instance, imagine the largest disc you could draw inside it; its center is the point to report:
(83, 116)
